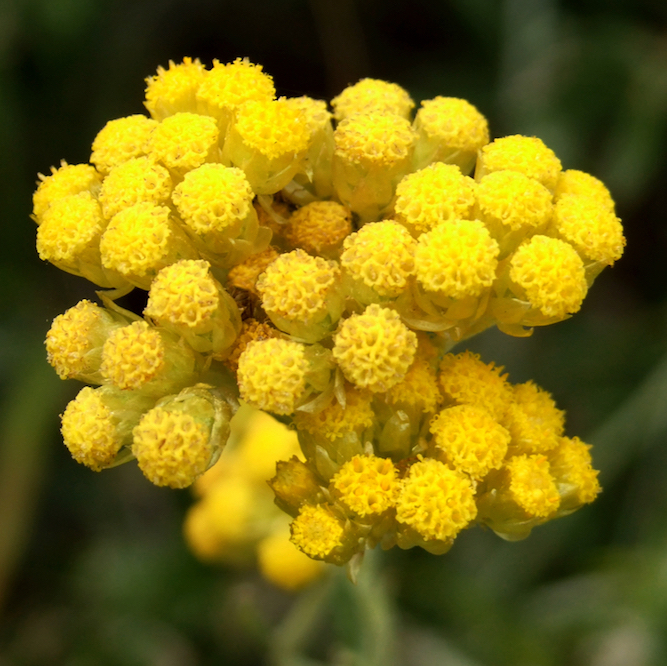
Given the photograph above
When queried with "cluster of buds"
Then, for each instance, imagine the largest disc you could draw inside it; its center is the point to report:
(320, 266)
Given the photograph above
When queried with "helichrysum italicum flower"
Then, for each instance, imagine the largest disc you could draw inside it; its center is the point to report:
(372, 96)
(431, 195)
(182, 436)
(141, 240)
(75, 340)
(373, 152)
(67, 179)
(121, 140)
(449, 130)
(186, 299)
(322, 271)
(378, 261)
(301, 294)
(174, 89)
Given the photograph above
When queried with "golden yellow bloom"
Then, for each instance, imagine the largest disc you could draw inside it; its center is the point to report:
(432, 195)
(466, 380)
(319, 228)
(532, 486)
(372, 96)
(174, 89)
(181, 437)
(251, 330)
(69, 238)
(98, 423)
(141, 240)
(373, 152)
(571, 466)
(594, 231)
(511, 201)
(457, 258)
(317, 531)
(435, 501)
(582, 184)
(526, 154)
(449, 130)
(268, 140)
(471, 440)
(367, 485)
(185, 141)
(186, 299)
(142, 358)
(272, 374)
(374, 349)
(300, 294)
(381, 257)
(135, 180)
(64, 181)
(74, 341)
(121, 140)
(227, 86)
(551, 274)
(418, 389)
(533, 420)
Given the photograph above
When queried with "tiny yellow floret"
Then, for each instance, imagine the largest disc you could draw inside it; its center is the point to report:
(319, 227)
(374, 349)
(367, 485)
(571, 467)
(245, 274)
(272, 374)
(372, 96)
(174, 89)
(419, 388)
(272, 127)
(526, 154)
(432, 195)
(552, 275)
(594, 231)
(374, 139)
(172, 447)
(534, 421)
(137, 179)
(532, 486)
(457, 258)
(466, 380)
(297, 286)
(64, 181)
(471, 439)
(435, 501)
(381, 255)
(184, 294)
(512, 200)
(185, 141)
(120, 140)
(132, 356)
(583, 184)
(89, 430)
(74, 341)
(214, 198)
(226, 86)
(71, 225)
(316, 531)
(454, 123)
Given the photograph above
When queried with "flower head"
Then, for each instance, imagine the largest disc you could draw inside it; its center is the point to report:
(372, 96)
(121, 140)
(174, 89)
(317, 531)
(319, 227)
(374, 349)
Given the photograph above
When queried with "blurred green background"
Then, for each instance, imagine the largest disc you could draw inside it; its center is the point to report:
(93, 568)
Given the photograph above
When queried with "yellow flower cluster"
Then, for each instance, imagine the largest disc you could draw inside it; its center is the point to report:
(320, 266)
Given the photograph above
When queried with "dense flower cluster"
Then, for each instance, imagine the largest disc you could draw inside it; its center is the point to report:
(320, 266)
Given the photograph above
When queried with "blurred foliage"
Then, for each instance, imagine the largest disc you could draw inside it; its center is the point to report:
(93, 569)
